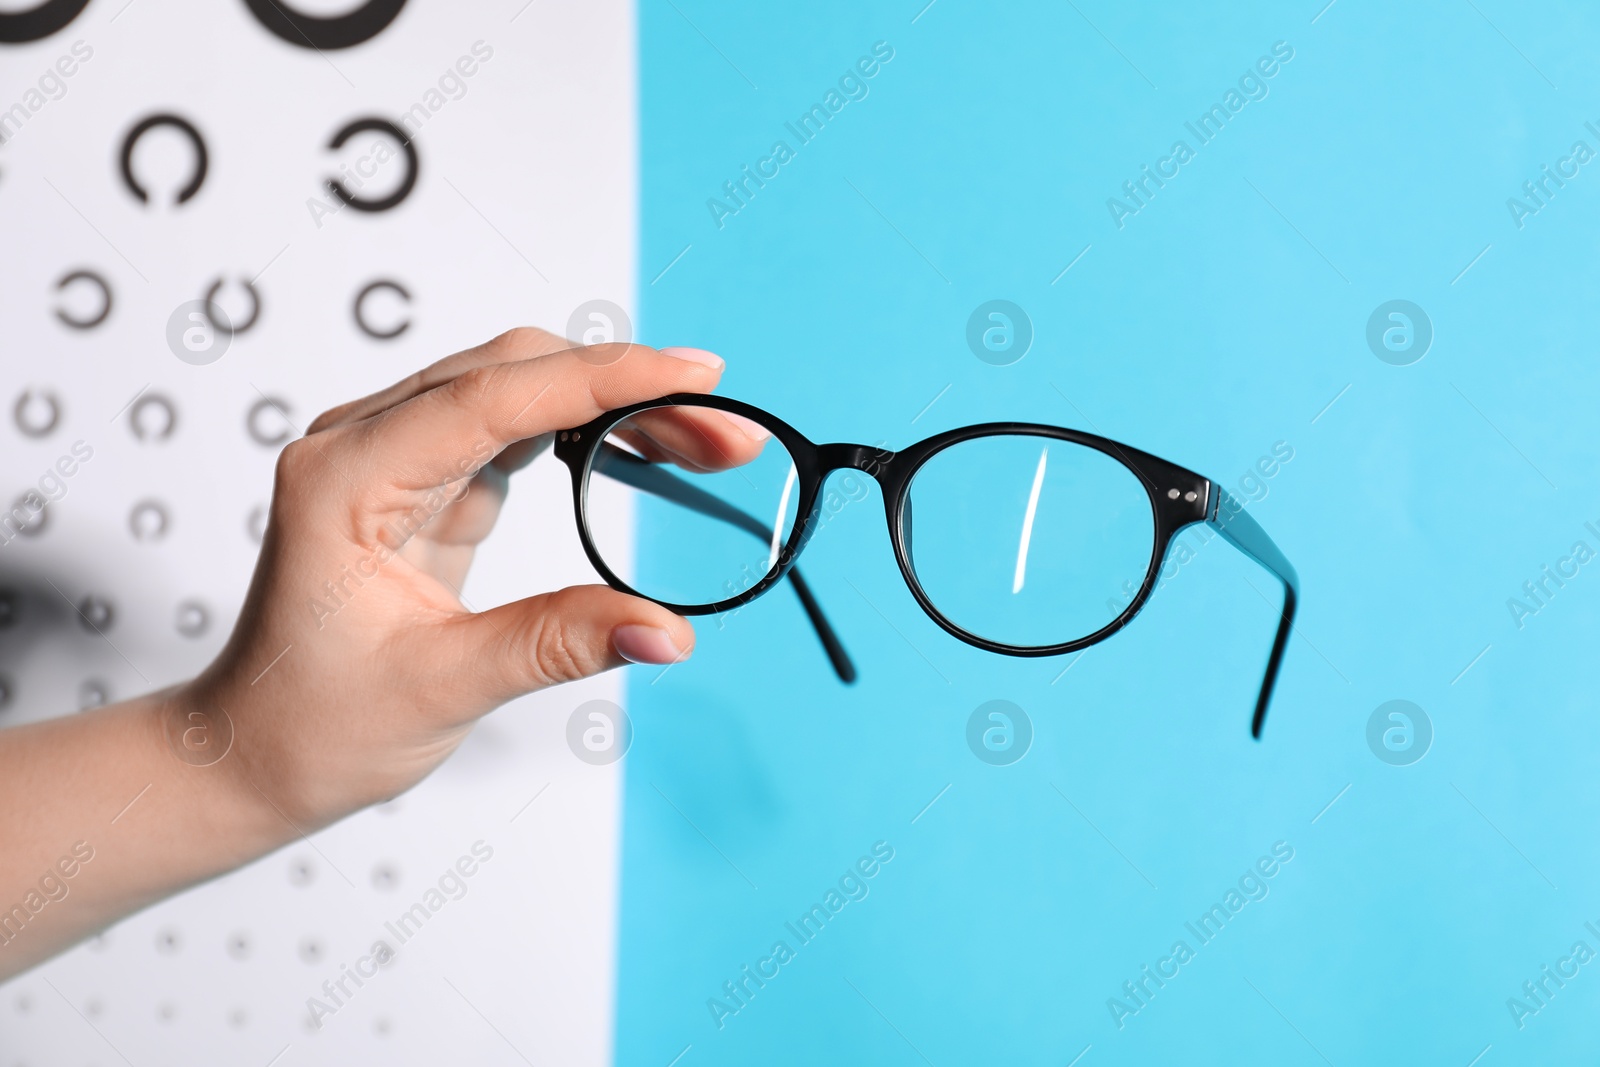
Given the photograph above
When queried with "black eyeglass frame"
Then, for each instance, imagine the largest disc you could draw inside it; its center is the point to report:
(1178, 498)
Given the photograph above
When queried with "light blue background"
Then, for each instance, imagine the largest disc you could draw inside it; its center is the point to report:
(1222, 319)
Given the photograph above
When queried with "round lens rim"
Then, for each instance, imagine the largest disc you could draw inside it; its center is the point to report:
(800, 449)
(1161, 534)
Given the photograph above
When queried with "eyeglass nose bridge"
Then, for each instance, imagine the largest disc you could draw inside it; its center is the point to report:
(869, 459)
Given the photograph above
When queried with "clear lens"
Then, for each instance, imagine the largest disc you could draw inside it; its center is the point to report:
(1026, 540)
(713, 500)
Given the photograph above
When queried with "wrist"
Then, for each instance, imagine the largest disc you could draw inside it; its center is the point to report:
(196, 746)
(139, 821)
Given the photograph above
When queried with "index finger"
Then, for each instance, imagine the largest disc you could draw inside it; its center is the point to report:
(696, 439)
(453, 429)
(523, 343)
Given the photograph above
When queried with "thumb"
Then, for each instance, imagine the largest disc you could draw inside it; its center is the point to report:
(569, 634)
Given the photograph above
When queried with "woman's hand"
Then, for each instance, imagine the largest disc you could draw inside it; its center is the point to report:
(374, 670)
(354, 668)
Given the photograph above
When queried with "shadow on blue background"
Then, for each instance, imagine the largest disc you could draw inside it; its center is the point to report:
(1226, 318)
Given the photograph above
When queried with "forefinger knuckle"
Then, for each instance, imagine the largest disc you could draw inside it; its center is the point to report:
(524, 342)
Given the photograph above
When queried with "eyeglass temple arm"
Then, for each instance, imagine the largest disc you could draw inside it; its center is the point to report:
(651, 478)
(1230, 519)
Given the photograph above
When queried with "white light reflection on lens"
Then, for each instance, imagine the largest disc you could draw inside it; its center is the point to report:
(783, 513)
(1027, 522)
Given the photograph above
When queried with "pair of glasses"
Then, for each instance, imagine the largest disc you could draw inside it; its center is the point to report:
(1017, 538)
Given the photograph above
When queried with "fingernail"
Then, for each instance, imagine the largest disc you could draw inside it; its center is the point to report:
(749, 427)
(644, 644)
(695, 355)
